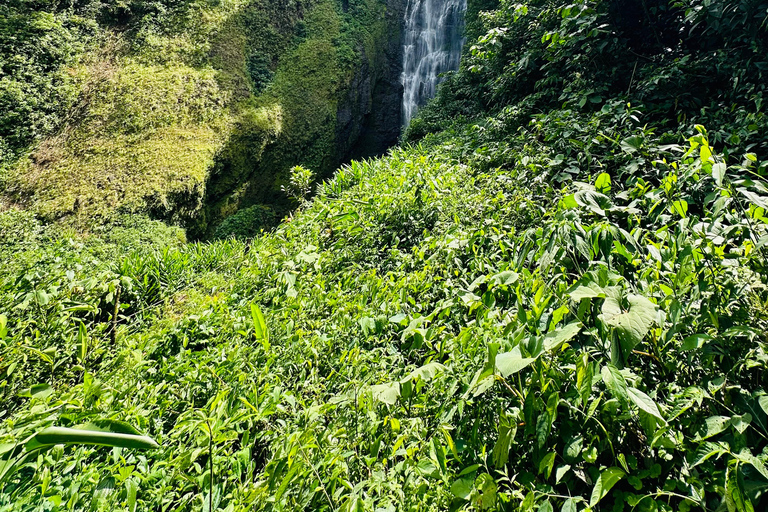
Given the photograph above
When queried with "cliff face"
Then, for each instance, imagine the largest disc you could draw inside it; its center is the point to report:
(369, 119)
(338, 100)
(194, 110)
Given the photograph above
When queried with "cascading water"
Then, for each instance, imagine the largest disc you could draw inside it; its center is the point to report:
(434, 36)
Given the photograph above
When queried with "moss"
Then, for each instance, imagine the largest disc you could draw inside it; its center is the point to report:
(149, 133)
(205, 103)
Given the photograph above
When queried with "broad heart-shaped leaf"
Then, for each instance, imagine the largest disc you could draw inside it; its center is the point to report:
(387, 393)
(607, 480)
(554, 339)
(741, 422)
(504, 278)
(631, 144)
(512, 362)
(589, 290)
(631, 326)
(644, 403)
(594, 201)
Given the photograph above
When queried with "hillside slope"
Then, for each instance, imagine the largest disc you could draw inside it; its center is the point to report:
(544, 305)
(189, 110)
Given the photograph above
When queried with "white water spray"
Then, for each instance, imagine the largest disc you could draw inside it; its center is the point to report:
(434, 36)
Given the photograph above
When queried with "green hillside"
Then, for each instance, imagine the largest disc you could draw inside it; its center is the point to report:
(552, 296)
(185, 111)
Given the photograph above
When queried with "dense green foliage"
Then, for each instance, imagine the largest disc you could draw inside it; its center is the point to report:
(558, 300)
(185, 111)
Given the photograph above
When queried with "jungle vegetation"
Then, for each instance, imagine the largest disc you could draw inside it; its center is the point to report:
(551, 296)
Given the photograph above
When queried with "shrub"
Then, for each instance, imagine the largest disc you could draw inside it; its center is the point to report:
(246, 223)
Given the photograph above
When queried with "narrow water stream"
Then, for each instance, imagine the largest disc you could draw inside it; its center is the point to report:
(434, 36)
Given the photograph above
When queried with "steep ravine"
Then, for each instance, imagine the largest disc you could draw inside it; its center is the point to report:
(334, 107)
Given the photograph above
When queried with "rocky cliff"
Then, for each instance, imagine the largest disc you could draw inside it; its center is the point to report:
(339, 92)
(190, 111)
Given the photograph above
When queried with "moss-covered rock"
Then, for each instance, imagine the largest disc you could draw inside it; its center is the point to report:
(194, 110)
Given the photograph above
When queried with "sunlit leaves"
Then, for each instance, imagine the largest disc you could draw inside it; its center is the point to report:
(644, 403)
(615, 382)
(260, 330)
(603, 183)
(735, 498)
(604, 484)
(510, 363)
(631, 325)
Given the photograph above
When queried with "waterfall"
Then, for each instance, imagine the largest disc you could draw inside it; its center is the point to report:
(434, 36)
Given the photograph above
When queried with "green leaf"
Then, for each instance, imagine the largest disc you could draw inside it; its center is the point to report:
(573, 449)
(763, 401)
(462, 488)
(561, 471)
(546, 464)
(603, 183)
(680, 207)
(754, 198)
(706, 451)
(37, 391)
(505, 278)
(607, 480)
(718, 173)
(631, 326)
(735, 498)
(60, 435)
(615, 382)
(425, 373)
(584, 378)
(644, 403)
(713, 426)
(386, 393)
(259, 324)
(512, 362)
(588, 290)
(3, 327)
(546, 507)
(507, 431)
(741, 423)
(569, 202)
(554, 339)
(631, 144)
(132, 489)
(82, 343)
(569, 506)
(695, 341)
